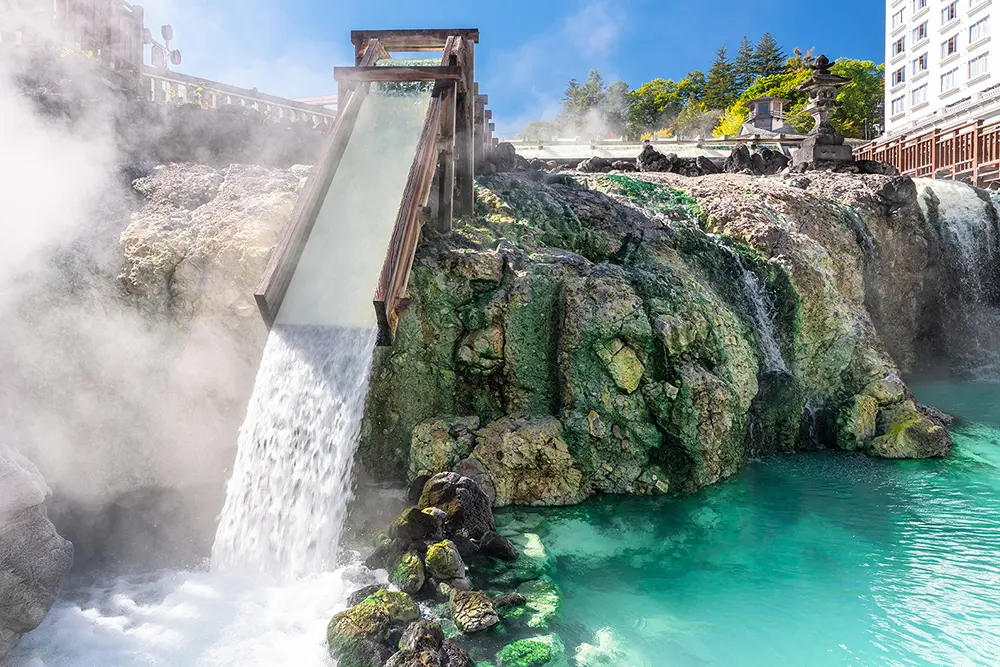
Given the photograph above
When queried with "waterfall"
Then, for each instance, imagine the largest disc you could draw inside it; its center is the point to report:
(967, 224)
(761, 308)
(287, 498)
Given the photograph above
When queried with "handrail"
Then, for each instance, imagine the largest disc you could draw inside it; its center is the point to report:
(180, 85)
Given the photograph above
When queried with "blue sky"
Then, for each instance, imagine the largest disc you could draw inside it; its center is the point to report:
(528, 50)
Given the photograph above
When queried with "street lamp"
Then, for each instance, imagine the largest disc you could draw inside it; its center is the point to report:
(162, 56)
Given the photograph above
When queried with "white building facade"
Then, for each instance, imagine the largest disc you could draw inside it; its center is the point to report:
(942, 65)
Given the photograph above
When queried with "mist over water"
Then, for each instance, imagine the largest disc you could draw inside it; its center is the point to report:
(287, 498)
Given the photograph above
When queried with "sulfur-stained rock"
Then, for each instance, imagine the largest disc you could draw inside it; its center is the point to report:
(355, 634)
(422, 636)
(407, 658)
(482, 351)
(856, 422)
(908, 434)
(443, 561)
(408, 573)
(621, 362)
(528, 461)
(453, 655)
(438, 445)
(473, 611)
(415, 524)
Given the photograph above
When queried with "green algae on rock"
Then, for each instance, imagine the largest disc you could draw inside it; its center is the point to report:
(603, 305)
(543, 651)
(443, 561)
(408, 572)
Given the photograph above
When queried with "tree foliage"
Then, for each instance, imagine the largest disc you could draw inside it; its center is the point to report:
(858, 114)
(744, 65)
(720, 85)
(768, 59)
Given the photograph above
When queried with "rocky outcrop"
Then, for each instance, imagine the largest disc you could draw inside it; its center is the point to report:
(651, 160)
(34, 559)
(618, 307)
(627, 332)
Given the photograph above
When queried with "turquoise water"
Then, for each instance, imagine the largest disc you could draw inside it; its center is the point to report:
(807, 560)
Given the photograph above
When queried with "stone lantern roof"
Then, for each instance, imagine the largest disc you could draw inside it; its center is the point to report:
(824, 147)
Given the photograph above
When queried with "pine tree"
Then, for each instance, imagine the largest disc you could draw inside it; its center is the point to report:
(744, 72)
(720, 89)
(769, 58)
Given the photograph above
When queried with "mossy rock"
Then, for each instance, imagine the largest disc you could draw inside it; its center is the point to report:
(358, 634)
(443, 561)
(533, 562)
(399, 607)
(908, 434)
(544, 651)
(408, 573)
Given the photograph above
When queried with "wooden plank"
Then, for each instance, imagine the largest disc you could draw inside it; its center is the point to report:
(395, 74)
(465, 133)
(285, 257)
(406, 231)
(446, 189)
(414, 40)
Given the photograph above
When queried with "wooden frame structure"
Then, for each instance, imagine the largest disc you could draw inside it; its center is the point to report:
(969, 152)
(454, 140)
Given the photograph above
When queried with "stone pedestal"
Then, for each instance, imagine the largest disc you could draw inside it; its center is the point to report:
(823, 150)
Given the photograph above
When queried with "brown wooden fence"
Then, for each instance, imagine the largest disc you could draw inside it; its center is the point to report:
(969, 153)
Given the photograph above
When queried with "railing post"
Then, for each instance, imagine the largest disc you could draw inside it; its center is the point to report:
(976, 135)
(934, 153)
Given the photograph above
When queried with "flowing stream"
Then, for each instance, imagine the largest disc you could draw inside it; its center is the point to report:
(763, 313)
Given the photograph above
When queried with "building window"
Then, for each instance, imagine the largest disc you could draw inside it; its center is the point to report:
(899, 76)
(920, 32)
(949, 80)
(979, 30)
(950, 12)
(978, 66)
(919, 95)
(899, 46)
(920, 64)
(949, 47)
(899, 105)
(976, 3)
(897, 19)
(918, 5)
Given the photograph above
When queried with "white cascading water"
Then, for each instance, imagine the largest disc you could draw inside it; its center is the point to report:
(287, 498)
(763, 313)
(275, 580)
(971, 245)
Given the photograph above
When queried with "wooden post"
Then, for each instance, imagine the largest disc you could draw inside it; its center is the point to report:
(446, 188)
(976, 138)
(465, 132)
(934, 152)
(479, 131)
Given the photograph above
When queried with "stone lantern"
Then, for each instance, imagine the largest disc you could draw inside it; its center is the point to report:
(824, 146)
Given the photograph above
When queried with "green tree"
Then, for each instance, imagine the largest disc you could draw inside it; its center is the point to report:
(768, 59)
(540, 130)
(653, 106)
(692, 87)
(800, 60)
(720, 88)
(744, 66)
(781, 85)
(580, 98)
(858, 113)
(695, 120)
(616, 106)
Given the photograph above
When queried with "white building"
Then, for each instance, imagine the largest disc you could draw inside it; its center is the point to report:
(942, 65)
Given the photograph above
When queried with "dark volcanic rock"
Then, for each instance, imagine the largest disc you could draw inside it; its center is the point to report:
(422, 636)
(498, 546)
(651, 159)
(473, 611)
(414, 659)
(706, 166)
(771, 161)
(357, 596)
(474, 470)
(468, 510)
(413, 524)
(453, 655)
(595, 165)
(623, 165)
(509, 600)
(738, 161)
(876, 167)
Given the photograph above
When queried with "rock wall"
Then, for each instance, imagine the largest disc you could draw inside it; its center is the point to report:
(614, 308)
(34, 559)
(596, 334)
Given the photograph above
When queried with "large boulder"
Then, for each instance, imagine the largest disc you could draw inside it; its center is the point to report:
(34, 559)
(473, 611)
(439, 444)
(528, 462)
(468, 511)
(651, 159)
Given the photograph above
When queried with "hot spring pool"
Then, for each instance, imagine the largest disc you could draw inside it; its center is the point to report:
(801, 561)
(805, 560)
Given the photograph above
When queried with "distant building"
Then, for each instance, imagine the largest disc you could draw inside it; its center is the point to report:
(767, 116)
(942, 68)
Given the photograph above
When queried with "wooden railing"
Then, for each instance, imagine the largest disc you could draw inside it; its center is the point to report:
(969, 153)
(172, 87)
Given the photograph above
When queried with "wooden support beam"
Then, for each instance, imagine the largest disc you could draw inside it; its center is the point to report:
(465, 132)
(414, 40)
(479, 131)
(446, 187)
(396, 74)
